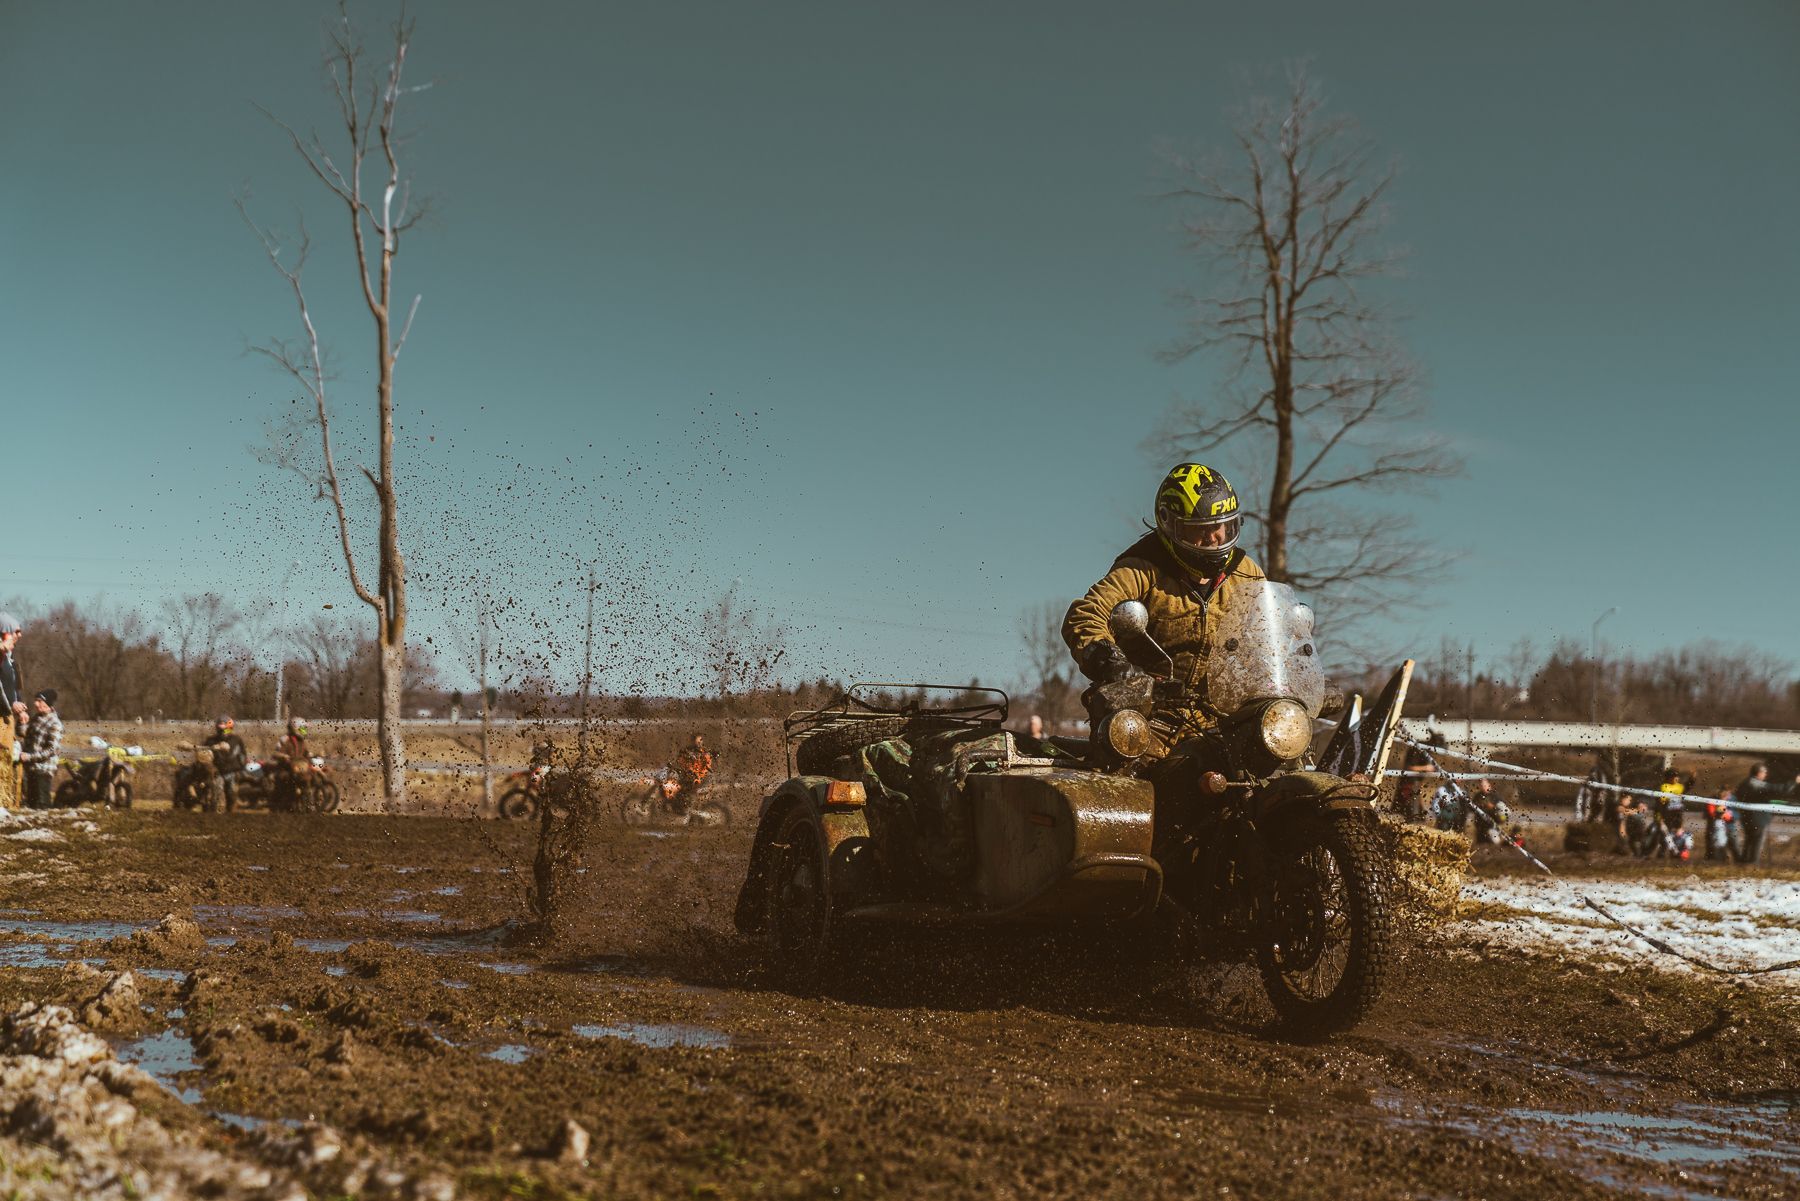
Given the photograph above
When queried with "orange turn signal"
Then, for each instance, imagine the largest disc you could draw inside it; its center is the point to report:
(846, 792)
(1213, 783)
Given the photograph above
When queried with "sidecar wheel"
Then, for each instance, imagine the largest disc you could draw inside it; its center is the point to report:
(797, 926)
(1332, 940)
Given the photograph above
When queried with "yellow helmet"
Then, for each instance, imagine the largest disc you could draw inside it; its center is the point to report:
(1198, 518)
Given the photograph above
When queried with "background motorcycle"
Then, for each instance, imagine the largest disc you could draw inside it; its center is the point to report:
(525, 792)
(106, 779)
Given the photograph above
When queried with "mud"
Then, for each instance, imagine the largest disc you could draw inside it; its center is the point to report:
(351, 1004)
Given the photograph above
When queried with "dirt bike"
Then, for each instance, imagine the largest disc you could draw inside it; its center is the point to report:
(1253, 847)
(104, 779)
(304, 787)
(525, 792)
(680, 807)
(198, 782)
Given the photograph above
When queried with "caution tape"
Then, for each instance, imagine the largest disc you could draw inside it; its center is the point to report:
(1430, 752)
(1516, 771)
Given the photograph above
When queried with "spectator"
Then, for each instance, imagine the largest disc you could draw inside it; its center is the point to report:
(43, 742)
(13, 714)
(1672, 789)
(1635, 824)
(1721, 828)
(1449, 810)
(1678, 842)
(1590, 798)
(1036, 728)
(1408, 797)
(1756, 790)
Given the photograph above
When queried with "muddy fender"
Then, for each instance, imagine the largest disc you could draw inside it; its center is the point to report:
(1303, 793)
(845, 831)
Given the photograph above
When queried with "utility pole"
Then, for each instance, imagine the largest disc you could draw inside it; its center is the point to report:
(587, 674)
(1594, 665)
(1469, 694)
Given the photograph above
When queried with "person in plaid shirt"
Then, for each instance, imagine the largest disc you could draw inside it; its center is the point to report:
(43, 742)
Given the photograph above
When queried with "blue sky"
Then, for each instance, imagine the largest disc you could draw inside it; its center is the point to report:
(857, 306)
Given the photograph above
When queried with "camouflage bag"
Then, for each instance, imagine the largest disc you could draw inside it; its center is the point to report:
(918, 815)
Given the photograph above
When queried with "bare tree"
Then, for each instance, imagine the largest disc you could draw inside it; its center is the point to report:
(1322, 405)
(334, 662)
(198, 625)
(97, 659)
(368, 104)
(1052, 670)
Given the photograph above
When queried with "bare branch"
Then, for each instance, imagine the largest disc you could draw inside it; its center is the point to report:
(1328, 405)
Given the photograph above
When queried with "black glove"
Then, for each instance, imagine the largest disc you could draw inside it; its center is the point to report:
(1102, 662)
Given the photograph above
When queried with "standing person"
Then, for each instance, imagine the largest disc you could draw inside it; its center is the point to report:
(1755, 790)
(1721, 828)
(43, 742)
(13, 715)
(1590, 798)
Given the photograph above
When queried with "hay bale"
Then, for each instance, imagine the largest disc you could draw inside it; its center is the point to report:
(1428, 870)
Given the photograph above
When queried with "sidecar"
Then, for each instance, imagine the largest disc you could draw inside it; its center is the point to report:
(1052, 841)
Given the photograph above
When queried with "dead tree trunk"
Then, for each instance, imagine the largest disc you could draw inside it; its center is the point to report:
(367, 111)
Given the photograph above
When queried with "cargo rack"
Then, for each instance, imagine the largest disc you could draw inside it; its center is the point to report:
(868, 702)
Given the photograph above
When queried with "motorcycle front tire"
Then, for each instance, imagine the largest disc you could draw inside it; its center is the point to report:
(121, 795)
(68, 795)
(517, 804)
(1331, 904)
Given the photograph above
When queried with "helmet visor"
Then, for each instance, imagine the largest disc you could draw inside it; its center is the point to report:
(1203, 533)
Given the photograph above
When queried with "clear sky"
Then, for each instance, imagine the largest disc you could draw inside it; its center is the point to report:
(857, 305)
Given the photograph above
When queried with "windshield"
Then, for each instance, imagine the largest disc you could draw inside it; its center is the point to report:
(1262, 648)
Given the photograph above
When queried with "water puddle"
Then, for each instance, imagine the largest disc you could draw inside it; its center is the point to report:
(323, 946)
(454, 983)
(171, 974)
(165, 1057)
(512, 1053)
(37, 954)
(257, 915)
(333, 969)
(671, 1034)
(1701, 1141)
(510, 969)
(71, 931)
(448, 890)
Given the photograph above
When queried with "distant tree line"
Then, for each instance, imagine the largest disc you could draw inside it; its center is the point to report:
(1705, 683)
(198, 656)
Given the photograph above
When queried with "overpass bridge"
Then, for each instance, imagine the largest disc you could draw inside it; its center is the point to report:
(1492, 734)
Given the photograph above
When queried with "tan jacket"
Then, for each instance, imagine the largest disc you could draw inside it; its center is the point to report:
(1179, 610)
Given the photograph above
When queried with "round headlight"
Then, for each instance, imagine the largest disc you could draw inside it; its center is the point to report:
(1126, 733)
(1286, 729)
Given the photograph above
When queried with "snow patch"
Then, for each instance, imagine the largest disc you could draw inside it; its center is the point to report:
(1733, 923)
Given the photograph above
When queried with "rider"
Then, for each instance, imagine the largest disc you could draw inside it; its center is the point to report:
(1187, 571)
(229, 755)
(292, 758)
(693, 763)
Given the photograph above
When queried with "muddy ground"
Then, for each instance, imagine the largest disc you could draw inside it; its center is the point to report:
(355, 985)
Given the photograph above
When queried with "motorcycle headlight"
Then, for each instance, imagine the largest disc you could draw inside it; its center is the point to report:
(1126, 733)
(1286, 729)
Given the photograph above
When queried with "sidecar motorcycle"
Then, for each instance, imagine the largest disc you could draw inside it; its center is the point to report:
(1257, 847)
